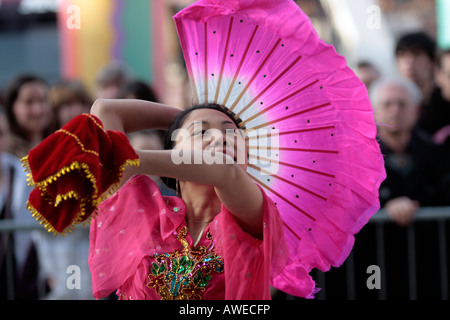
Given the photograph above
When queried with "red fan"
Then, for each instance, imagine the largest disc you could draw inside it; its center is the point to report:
(73, 170)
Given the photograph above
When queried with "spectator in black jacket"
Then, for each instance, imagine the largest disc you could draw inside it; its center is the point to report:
(417, 169)
(436, 117)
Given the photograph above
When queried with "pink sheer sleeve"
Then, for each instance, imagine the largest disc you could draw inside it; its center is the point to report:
(250, 263)
(130, 225)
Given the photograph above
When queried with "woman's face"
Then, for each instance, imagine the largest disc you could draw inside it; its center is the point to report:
(32, 108)
(70, 110)
(214, 132)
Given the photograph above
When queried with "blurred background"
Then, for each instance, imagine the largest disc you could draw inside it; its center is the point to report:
(58, 56)
(140, 36)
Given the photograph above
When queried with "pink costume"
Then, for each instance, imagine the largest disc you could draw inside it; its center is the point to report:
(264, 61)
(139, 245)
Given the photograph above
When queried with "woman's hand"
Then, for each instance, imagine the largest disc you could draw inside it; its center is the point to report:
(129, 115)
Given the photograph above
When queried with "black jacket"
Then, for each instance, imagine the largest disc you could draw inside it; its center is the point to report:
(422, 174)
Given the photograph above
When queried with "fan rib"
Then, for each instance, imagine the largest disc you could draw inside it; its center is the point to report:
(225, 52)
(240, 66)
(289, 116)
(206, 62)
(309, 150)
(293, 166)
(268, 87)
(255, 74)
(281, 197)
(287, 201)
(189, 63)
(280, 101)
(247, 138)
(288, 182)
(292, 231)
(293, 149)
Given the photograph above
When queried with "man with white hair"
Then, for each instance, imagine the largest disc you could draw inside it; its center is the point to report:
(417, 170)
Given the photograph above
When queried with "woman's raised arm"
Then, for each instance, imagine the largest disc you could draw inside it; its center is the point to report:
(129, 115)
(233, 186)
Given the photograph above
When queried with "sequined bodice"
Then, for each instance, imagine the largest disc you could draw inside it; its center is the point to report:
(185, 273)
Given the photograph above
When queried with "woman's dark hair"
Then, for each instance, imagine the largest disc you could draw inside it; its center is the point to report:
(11, 96)
(179, 121)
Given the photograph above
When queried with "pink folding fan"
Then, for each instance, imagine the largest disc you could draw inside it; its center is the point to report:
(263, 60)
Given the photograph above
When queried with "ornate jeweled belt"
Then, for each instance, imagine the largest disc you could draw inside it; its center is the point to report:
(185, 273)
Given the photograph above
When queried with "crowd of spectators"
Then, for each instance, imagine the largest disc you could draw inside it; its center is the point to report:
(412, 112)
(34, 264)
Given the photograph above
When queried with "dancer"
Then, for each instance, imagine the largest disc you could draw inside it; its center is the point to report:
(239, 223)
(181, 248)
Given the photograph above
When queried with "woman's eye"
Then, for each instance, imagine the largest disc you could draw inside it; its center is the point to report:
(200, 132)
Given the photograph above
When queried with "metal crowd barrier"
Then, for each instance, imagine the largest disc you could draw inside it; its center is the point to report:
(12, 226)
(440, 215)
